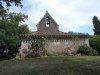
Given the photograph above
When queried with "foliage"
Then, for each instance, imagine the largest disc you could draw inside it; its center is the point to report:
(9, 36)
(37, 47)
(71, 32)
(95, 42)
(85, 50)
(10, 2)
(23, 29)
(30, 53)
(96, 24)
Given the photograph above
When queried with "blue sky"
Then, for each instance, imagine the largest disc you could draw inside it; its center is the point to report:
(71, 15)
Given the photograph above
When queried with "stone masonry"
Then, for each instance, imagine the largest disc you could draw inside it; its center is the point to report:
(57, 43)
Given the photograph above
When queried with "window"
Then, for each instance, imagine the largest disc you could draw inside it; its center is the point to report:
(47, 25)
(47, 18)
(47, 22)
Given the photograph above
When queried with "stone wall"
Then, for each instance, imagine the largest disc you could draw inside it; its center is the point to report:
(53, 26)
(56, 46)
(64, 46)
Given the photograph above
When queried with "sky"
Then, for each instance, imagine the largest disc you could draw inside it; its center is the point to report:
(71, 15)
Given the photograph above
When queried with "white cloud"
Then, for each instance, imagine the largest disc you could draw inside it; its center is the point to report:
(69, 14)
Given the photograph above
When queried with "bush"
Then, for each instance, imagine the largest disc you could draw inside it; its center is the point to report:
(85, 50)
(94, 42)
(30, 53)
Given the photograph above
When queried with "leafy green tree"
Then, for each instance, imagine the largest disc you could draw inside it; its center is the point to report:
(10, 2)
(96, 24)
(7, 3)
(23, 29)
(71, 32)
(9, 36)
(95, 42)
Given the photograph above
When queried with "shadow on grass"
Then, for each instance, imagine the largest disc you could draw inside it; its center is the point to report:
(2, 58)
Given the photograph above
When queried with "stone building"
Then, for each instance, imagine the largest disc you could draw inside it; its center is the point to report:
(57, 42)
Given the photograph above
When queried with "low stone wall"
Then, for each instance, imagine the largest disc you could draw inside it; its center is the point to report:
(56, 46)
(64, 46)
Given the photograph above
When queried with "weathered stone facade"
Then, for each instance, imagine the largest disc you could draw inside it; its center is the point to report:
(64, 46)
(47, 25)
(56, 43)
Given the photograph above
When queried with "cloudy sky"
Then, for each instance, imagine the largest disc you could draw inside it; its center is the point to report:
(71, 15)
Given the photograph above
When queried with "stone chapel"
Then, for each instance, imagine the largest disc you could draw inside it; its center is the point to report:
(57, 43)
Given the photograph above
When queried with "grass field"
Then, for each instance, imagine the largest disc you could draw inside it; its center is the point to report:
(69, 65)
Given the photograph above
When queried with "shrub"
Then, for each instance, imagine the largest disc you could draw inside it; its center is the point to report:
(32, 53)
(86, 50)
(94, 42)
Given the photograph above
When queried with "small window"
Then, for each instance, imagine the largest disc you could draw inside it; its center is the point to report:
(47, 25)
(47, 22)
(47, 18)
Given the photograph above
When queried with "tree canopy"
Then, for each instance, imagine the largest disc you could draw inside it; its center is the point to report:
(23, 29)
(96, 24)
(9, 32)
(95, 42)
(10, 2)
(71, 32)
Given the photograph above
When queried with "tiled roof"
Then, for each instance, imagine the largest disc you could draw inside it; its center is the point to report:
(52, 35)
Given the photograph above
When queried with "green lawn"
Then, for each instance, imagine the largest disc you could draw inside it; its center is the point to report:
(69, 65)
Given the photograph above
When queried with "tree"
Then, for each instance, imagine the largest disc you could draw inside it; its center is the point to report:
(23, 29)
(71, 32)
(96, 24)
(95, 42)
(10, 2)
(9, 36)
